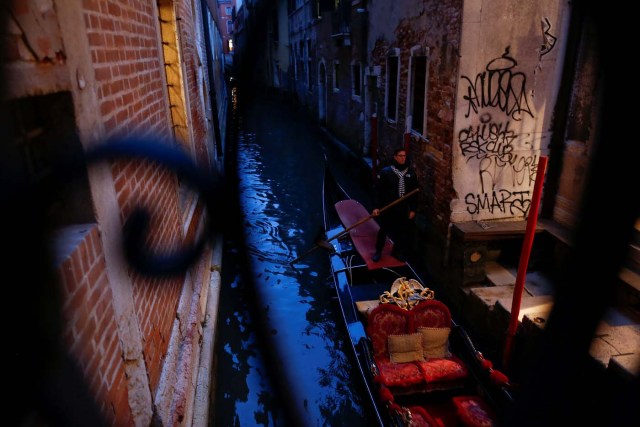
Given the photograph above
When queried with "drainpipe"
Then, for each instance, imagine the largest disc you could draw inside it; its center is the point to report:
(530, 232)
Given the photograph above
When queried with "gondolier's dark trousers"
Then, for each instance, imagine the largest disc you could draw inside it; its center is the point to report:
(396, 224)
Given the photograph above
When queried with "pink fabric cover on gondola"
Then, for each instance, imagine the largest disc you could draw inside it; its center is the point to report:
(364, 235)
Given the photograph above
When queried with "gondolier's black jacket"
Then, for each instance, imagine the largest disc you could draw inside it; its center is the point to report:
(386, 190)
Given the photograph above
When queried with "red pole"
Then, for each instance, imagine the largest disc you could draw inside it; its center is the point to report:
(374, 144)
(532, 221)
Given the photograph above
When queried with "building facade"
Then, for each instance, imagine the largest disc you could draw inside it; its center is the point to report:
(225, 14)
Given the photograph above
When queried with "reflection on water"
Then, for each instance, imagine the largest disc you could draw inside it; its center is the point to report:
(281, 349)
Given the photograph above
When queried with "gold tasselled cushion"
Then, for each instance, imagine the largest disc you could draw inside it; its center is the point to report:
(435, 342)
(405, 348)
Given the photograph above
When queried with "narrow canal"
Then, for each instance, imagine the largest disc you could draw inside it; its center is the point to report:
(282, 355)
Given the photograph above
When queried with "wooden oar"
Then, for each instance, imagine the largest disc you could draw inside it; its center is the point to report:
(325, 244)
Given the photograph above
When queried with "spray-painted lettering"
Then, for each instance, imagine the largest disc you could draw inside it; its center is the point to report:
(487, 139)
(521, 170)
(499, 86)
(499, 201)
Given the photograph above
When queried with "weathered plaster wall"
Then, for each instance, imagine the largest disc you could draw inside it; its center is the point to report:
(511, 59)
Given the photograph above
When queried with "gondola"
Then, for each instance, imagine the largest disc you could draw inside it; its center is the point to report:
(418, 365)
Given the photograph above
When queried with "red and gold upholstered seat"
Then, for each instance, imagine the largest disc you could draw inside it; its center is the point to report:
(429, 373)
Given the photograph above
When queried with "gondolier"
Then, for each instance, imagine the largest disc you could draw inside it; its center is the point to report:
(393, 182)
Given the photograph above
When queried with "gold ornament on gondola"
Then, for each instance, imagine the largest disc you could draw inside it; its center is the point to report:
(406, 293)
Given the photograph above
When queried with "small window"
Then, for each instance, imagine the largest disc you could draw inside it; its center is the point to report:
(418, 93)
(301, 55)
(229, 27)
(275, 31)
(356, 79)
(309, 78)
(294, 60)
(336, 76)
(392, 88)
(39, 128)
(228, 10)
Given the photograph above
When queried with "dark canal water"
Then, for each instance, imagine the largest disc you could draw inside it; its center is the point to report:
(282, 356)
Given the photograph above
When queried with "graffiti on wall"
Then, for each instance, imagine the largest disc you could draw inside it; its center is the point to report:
(506, 172)
(498, 86)
(494, 175)
(487, 139)
(493, 145)
(499, 201)
(548, 39)
(547, 45)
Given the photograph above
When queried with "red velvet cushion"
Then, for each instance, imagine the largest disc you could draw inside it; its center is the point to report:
(398, 374)
(447, 369)
(385, 320)
(473, 411)
(431, 314)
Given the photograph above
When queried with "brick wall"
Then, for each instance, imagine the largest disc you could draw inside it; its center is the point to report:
(123, 54)
(142, 184)
(90, 330)
(130, 87)
(128, 66)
